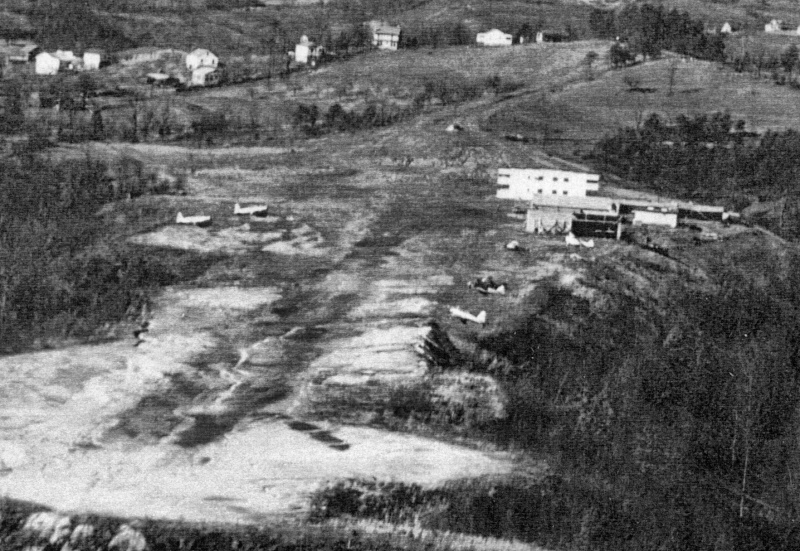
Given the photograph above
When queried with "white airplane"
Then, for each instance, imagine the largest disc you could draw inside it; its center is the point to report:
(572, 240)
(465, 316)
(254, 210)
(575, 242)
(201, 221)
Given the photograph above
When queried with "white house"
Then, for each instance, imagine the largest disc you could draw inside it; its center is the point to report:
(726, 28)
(495, 37)
(92, 59)
(386, 37)
(205, 76)
(307, 51)
(525, 184)
(46, 64)
(655, 217)
(774, 26)
(201, 58)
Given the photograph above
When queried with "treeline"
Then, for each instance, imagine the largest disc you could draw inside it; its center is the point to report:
(650, 29)
(446, 90)
(60, 276)
(673, 430)
(707, 158)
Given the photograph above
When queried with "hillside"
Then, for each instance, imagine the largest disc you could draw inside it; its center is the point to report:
(298, 378)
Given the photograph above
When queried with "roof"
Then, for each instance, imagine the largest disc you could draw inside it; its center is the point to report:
(572, 202)
(94, 51)
(495, 31)
(203, 71)
(200, 52)
(387, 29)
(157, 76)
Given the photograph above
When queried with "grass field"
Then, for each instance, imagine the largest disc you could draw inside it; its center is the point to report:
(584, 112)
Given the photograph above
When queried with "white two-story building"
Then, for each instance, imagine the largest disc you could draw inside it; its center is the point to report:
(525, 184)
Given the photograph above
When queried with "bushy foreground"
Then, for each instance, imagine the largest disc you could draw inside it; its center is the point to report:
(28, 526)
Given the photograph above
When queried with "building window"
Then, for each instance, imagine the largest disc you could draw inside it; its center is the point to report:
(555, 178)
(539, 178)
(540, 192)
(565, 192)
(555, 192)
(566, 179)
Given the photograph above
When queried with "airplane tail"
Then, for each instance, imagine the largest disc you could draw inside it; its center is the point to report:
(180, 217)
(481, 318)
(237, 209)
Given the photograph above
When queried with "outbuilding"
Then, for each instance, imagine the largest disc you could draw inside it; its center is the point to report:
(205, 76)
(92, 59)
(494, 37)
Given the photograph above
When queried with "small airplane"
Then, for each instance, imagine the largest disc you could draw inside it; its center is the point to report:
(487, 286)
(253, 210)
(465, 316)
(200, 221)
(515, 246)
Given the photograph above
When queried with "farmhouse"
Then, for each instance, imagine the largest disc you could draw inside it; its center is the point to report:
(495, 37)
(384, 37)
(527, 184)
(726, 28)
(18, 52)
(67, 59)
(201, 58)
(46, 64)
(307, 51)
(92, 59)
(205, 76)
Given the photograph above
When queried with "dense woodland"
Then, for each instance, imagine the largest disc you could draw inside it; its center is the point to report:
(647, 30)
(709, 158)
(61, 275)
(675, 429)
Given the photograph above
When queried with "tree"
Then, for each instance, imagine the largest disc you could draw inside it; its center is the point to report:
(790, 58)
(588, 61)
(672, 70)
(305, 117)
(619, 54)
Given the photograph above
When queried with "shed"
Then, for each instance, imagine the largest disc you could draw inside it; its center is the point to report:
(494, 37)
(46, 64)
(201, 57)
(92, 59)
(205, 76)
(551, 36)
